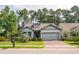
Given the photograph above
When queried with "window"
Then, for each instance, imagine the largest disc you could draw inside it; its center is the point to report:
(29, 33)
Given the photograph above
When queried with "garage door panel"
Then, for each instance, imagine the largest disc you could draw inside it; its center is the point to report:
(50, 36)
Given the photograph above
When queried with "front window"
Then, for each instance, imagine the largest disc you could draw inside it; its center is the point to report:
(29, 33)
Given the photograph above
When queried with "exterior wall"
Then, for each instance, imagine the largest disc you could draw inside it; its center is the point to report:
(28, 30)
(51, 29)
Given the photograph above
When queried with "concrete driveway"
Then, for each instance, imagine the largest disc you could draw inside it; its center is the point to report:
(56, 44)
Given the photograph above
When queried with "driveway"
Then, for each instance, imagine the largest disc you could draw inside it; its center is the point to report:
(56, 44)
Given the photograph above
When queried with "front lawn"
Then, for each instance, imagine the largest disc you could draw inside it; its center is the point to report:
(30, 44)
(71, 43)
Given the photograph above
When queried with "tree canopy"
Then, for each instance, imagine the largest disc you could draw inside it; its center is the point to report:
(8, 22)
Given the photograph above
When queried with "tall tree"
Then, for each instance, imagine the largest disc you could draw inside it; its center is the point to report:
(23, 14)
(75, 10)
(31, 14)
(8, 21)
(67, 16)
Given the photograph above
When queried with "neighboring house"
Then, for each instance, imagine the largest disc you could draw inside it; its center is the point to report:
(69, 27)
(48, 31)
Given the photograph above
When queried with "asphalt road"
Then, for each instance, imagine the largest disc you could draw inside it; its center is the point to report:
(41, 51)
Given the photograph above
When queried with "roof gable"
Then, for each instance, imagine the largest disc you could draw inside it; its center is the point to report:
(52, 27)
(68, 26)
(28, 28)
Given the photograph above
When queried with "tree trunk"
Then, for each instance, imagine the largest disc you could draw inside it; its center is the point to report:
(13, 44)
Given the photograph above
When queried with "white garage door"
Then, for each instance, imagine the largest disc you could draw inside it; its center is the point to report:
(50, 36)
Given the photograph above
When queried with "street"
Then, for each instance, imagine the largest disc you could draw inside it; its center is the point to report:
(40, 51)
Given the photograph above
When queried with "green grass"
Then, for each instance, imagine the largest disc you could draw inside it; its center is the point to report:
(23, 43)
(68, 42)
(72, 43)
(38, 46)
(30, 44)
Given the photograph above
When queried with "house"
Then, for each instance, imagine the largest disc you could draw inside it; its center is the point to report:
(48, 31)
(69, 27)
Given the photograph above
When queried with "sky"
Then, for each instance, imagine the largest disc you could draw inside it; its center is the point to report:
(39, 4)
(35, 7)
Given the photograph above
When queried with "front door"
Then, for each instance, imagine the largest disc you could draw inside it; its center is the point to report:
(37, 34)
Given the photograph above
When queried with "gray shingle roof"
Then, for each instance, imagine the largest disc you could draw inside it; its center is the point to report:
(63, 26)
(68, 26)
(41, 25)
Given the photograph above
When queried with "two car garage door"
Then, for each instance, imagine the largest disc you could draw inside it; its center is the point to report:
(50, 36)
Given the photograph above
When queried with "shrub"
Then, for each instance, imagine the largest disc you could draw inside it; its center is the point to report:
(73, 33)
(2, 38)
(30, 38)
(34, 39)
(62, 38)
(18, 39)
(22, 39)
(25, 39)
(40, 39)
(65, 34)
(75, 39)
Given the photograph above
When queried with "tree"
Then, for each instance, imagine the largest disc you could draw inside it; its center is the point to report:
(31, 14)
(75, 10)
(40, 15)
(4, 18)
(51, 16)
(54, 16)
(8, 21)
(67, 16)
(22, 14)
